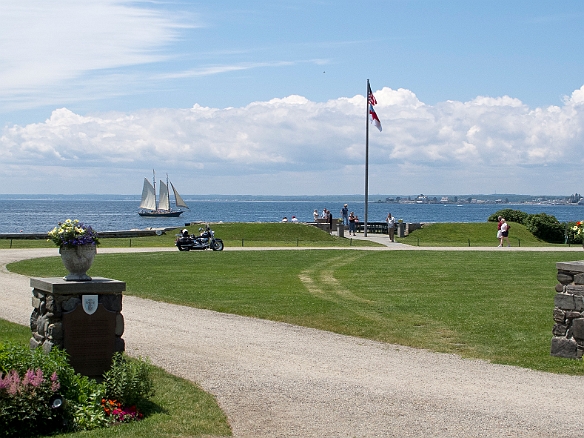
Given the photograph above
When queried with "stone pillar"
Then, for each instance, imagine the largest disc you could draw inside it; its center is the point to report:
(90, 336)
(568, 331)
(401, 229)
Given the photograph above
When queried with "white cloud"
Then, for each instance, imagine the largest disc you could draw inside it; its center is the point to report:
(476, 140)
(47, 43)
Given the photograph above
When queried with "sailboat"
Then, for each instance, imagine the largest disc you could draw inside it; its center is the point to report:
(149, 206)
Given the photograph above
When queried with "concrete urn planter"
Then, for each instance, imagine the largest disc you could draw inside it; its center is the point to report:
(77, 261)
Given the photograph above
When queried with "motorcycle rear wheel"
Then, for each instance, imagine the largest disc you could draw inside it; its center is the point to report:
(183, 248)
(218, 246)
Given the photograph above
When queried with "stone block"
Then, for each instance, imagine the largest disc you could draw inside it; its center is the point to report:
(559, 315)
(559, 287)
(578, 328)
(579, 278)
(70, 304)
(113, 303)
(55, 331)
(119, 324)
(51, 304)
(565, 278)
(34, 316)
(569, 302)
(36, 303)
(571, 314)
(574, 289)
(562, 347)
(560, 330)
(48, 346)
(41, 325)
(120, 345)
(33, 344)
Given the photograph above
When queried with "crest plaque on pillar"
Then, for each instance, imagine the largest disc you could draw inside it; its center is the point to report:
(89, 303)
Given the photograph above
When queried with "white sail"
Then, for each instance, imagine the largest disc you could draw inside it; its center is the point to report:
(179, 201)
(164, 201)
(148, 196)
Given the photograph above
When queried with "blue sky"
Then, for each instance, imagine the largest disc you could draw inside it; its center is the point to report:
(267, 97)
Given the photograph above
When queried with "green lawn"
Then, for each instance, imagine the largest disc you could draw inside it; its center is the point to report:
(178, 409)
(233, 234)
(490, 305)
(470, 234)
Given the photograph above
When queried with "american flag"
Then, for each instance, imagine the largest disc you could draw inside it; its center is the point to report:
(372, 114)
(373, 117)
(370, 97)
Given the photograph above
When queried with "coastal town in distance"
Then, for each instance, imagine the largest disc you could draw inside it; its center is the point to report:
(574, 199)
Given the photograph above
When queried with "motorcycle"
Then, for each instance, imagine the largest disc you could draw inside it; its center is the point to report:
(206, 240)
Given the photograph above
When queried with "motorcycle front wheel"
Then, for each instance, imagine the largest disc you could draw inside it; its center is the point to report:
(218, 245)
(183, 248)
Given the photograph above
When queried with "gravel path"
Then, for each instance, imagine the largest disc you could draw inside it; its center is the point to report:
(280, 380)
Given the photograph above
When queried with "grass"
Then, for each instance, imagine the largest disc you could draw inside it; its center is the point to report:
(470, 234)
(495, 306)
(179, 407)
(233, 234)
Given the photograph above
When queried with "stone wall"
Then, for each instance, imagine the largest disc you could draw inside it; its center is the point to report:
(568, 331)
(57, 320)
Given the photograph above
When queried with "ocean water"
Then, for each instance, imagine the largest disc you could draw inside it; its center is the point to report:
(38, 213)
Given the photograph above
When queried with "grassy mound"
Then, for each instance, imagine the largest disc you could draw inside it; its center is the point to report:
(470, 234)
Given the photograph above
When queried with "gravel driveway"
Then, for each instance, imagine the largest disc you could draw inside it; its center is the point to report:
(280, 380)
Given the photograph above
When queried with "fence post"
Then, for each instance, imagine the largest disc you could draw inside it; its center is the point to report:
(10, 243)
(242, 242)
(297, 242)
(130, 243)
(469, 243)
(519, 242)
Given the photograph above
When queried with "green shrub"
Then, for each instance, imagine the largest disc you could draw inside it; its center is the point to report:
(571, 235)
(545, 227)
(25, 407)
(509, 215)
(26, 403)
(128, 381)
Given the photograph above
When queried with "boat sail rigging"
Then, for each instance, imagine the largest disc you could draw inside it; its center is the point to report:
(149, 206)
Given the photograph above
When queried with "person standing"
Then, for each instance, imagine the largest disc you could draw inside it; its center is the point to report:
(504, 232)
(315, 215)
(345, 214)
(499, 223)
(390, 226)
(352, 218)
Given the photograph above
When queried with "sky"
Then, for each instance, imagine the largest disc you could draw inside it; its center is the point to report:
(269, 97)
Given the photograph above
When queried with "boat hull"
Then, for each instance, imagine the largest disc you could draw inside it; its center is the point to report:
(160, 213)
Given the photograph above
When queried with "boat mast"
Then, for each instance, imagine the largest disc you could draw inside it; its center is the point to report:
(154, 181)
(167, 186)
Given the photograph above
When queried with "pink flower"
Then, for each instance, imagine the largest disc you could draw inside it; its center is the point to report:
(37, 378)
(55, 385)
(13, 382)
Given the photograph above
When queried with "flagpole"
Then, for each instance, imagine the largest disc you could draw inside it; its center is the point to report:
(366, 159)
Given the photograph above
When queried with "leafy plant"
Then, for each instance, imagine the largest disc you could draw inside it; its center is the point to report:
(128, 381)
(575, 232)
(509, 215)
(73, 233)
(545, 227)
(26, 403)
